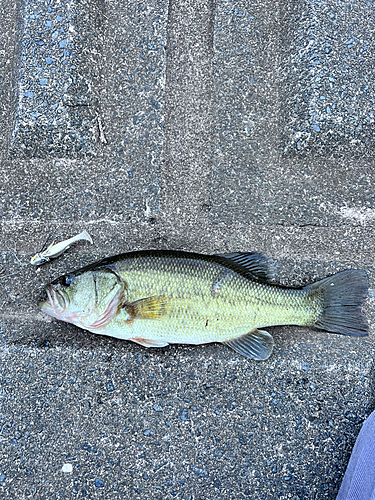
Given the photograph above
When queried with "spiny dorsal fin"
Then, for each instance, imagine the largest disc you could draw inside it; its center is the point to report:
(257, 344)
(148, 308)
(254, 262)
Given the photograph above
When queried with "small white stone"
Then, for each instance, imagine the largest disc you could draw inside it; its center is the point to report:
(67, 468)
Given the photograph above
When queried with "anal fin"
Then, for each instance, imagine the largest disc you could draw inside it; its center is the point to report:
(148, 342)
(257, 344)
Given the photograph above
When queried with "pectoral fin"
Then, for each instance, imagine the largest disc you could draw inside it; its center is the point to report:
(148, 308)
(257, 344)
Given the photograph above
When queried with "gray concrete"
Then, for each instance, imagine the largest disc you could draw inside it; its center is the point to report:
(201, 139)
(56, 79)
(328, 76)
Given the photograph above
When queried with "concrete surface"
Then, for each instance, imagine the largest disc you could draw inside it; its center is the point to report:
(56, 79)
(190, 125)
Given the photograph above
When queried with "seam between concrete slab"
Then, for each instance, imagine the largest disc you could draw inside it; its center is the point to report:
(58, 222)
(357, 223)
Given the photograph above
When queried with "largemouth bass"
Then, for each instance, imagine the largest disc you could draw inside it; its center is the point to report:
(156, 298)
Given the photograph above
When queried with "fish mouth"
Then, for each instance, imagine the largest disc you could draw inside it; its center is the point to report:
(56, 302)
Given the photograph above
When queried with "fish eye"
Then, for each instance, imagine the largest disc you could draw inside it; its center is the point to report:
(67, 280)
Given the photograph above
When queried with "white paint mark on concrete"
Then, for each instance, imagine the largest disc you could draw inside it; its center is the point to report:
(363, 215)
(67, 468)
(100, 221)
(101, 131)
(148, 210)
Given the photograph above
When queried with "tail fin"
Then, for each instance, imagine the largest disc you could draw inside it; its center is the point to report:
(342, 296)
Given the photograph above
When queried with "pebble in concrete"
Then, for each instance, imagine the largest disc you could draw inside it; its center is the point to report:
(67, 468)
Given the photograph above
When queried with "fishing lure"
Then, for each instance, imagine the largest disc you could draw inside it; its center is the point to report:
(56, 249)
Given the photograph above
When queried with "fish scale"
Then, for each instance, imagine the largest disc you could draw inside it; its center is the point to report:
(236, 308)
(156, 298)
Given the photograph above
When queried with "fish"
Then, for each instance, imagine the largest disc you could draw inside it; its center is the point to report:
(161, 297)
(56, 249)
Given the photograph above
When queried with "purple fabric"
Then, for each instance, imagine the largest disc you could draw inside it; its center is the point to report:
(359, 479)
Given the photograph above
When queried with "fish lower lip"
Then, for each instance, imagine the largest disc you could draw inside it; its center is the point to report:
(49, 309)
(59, 298)
(49, 295)
(45, 305)
(49, 303)
(55, 300)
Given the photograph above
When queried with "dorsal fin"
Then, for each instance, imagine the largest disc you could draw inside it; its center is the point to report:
(254, 262)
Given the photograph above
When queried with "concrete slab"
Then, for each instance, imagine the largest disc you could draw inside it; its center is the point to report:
(327, 74)
(246, 105)
(133, 98)
(84, 416)
(186, 172)
(56, 79)
(131, 423)
(124, 181)
(253, 180)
